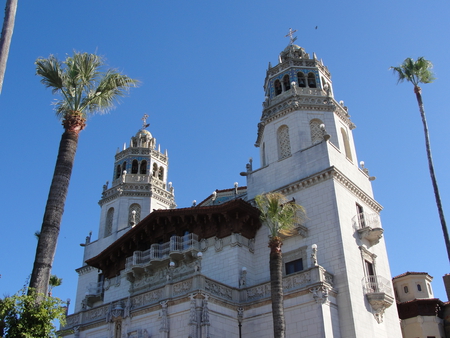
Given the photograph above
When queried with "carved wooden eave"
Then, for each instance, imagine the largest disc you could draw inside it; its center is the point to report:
(236, 216)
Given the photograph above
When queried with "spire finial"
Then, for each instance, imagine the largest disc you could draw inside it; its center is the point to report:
(144, 121)
(291, 36)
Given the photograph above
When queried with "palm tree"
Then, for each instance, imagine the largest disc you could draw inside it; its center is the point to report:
(5, 39)
(280, 216)
(84, 89)
(53, 282)
(416, 72)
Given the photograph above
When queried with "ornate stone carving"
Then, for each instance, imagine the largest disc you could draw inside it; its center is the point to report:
(205, 316)
(204, 244)
(193, 317)
(240, 314)
(320, 294)
(182, 287)
(218, 289)
(379, 301)
(164, 316)
(218, 244)
(259, 291)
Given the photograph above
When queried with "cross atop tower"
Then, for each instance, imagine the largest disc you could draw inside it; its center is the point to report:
(144, 121)
(291, 36)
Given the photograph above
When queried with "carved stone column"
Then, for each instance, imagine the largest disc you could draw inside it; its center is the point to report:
(164, 329)
(205, 317)
(193, 323)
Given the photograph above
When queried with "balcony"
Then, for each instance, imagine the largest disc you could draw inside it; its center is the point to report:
(94, 293)
(178, 248)
(368, 227)
(378, 291)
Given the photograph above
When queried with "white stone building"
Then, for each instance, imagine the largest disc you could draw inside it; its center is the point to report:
(203, 271)
(422, 315)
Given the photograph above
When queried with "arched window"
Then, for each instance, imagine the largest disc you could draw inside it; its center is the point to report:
(284, 144)
(109, 222)
(143, 168)
(124, 166)
(348, 152)
(118, 171)
(301, 79)
(316, 132)
(134, 214)
(277, 86)
(311, 80)
(161, 173)
(134, 167)
(286, 82)
(263, 154)
(155, 170)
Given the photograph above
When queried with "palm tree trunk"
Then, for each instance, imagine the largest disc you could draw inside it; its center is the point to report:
(5, 40)
(418, 92)
(46, 248)
(276, 287)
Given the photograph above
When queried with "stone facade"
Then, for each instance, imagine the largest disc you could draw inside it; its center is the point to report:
(204, 271)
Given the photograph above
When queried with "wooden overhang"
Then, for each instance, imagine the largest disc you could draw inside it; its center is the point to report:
(236, 216)
(420, 307)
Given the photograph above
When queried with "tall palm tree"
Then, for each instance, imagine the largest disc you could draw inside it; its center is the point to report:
(416, 72)
(280, 216)
(5, 39)
(84, 89)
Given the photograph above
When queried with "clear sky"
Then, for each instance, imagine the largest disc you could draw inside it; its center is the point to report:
(202, 65)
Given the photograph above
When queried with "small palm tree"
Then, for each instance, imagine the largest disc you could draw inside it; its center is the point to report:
(416, 72)
(280, 216)
(84, 89)
(53, 282)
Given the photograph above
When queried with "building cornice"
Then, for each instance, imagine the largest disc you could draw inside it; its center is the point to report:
(313, 103)
(331, 173)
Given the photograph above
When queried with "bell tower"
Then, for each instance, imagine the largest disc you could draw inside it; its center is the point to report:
(139, 185)
(307, 152)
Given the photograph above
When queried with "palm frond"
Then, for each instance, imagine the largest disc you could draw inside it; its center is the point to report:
(278, 214)
(51, 72)
(84, 87)
(111, 88)
(419, 71)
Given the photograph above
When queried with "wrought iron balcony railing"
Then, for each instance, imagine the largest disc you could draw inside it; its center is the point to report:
(178, 245)
(376, 284)
(363, 220)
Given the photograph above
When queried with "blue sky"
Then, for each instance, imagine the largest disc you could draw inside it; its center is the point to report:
(202, 65)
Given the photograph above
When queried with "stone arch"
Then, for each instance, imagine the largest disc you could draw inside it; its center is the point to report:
(312, 80)
(284, 143)
(277, 87)
(155, 170)
(316, 132)
(134, 166)
(348, 151)
(135, 218)
(109, 222)
(143, 167)
(301, 79)
(118, 171)
(286, 82)
(161, 173)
